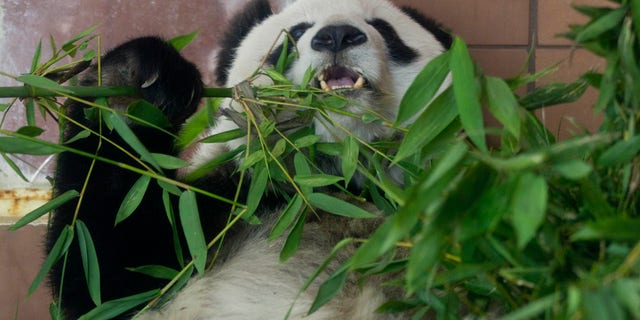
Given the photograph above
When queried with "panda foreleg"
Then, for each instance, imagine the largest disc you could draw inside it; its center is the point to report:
(173, 84)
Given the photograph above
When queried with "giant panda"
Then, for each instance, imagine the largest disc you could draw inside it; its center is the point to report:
(366, 50)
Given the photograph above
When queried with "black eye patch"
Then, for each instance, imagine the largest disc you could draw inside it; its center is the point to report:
(296, 33)
(396, 48)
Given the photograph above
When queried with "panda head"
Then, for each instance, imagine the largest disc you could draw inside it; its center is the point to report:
(366, 50)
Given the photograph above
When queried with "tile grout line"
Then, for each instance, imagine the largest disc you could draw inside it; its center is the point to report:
(533, 40)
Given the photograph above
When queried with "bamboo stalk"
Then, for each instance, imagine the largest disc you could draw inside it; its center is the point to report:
(84, 92)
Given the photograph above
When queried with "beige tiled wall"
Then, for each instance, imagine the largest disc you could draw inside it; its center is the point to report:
(500, 34)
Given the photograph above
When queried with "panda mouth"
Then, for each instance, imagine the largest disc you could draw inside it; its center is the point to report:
(340, 78)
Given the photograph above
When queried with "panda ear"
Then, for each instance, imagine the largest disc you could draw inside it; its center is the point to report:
(239, 26)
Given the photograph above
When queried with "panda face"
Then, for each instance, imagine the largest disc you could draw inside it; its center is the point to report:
(367, 50)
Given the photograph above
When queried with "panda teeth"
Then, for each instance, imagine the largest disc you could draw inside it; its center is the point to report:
(359, 83)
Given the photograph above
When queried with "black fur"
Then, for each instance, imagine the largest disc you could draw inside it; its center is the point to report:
(296, 33)
(442, 35)
(252, 14)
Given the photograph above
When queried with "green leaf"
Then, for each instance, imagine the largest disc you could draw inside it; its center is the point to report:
(306, 141)
(287, 217)
(14, 166)
(534, 308)
(329, 289)
(168, 209)
(424, 88)
(114, 308)
(635, 14)
(44, 209)
(43, 83)
(573, 170)
(467, 93)
(81, 135)
(181, 41)
(166, 161)
(293, 240)
(155, 271)
(427, 251)
(59, 248)
(252, 159)
(90, 263)
(349, 158)
(36, 57)
(617, 228)
(190, 219)
(198, 122)
(132, 199)
(427, 190)
(602, 25)
(554, 94)
(130, 138)
(302, 169)
(337, 206)
(316, 180)
(147, 114)
(70, 46)
(434, 120)
(529, 206)
(224, 136)
(503, 104)
(620, 153)
(19, 145)
(257, 189)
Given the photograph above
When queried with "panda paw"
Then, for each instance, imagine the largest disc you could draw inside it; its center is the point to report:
(161, 75)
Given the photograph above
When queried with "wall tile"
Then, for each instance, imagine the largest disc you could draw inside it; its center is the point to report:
(488, 22)
(555, 16)
(21, 253)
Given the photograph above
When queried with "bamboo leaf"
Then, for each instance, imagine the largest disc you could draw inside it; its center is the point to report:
(114, 308)
(329, 289)
(19, 145)
(166, 161)
(424, 87)
(349, 159)
(44, 209)
(533, 309)
(293, 240)
(190, 219)
(59, 248)
(529, 206)
(257, 189)
(130, 138)
(180, 42)
(43, 83)
(337, 206)
(155, 271)
(602, 25)
(287, 217)
(503, 104)
(440, 113)
(132, 199)
(224, 136)
(316, 180)
(147, 114)
(90, 263)
(467, 93)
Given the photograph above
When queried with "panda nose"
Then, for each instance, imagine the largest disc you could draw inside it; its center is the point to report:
(337, 38)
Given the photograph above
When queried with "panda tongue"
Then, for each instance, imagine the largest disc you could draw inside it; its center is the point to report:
(341, 82)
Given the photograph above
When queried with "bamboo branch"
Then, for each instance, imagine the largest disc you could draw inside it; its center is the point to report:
(83, 92)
